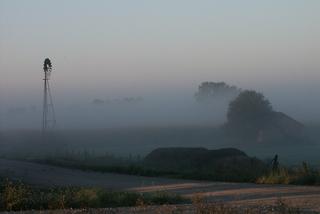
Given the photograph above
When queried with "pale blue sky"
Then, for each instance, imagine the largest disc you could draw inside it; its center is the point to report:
(106, 48)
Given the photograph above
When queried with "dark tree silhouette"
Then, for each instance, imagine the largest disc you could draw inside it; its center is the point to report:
(248, 113)
(209, 91)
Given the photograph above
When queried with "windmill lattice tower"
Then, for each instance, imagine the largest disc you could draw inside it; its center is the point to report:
(48, 118)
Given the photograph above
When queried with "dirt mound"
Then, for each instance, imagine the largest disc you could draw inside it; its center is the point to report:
(222, 162)
(183, 155)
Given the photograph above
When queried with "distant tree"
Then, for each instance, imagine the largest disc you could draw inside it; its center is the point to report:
(132, 99)
(97, 102)
(209, 91)
(248, 113)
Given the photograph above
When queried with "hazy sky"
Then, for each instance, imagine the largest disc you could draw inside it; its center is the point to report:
(118, 48)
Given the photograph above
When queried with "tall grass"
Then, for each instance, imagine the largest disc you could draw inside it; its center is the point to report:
(16, 196)
(302, 175)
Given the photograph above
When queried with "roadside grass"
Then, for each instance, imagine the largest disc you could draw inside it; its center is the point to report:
(16, 196)
(245, 173)
(302, 175)
(231, 172)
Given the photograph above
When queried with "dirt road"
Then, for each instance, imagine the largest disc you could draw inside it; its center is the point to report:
(44, 175)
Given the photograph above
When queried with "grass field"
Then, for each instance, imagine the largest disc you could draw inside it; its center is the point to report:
(139, 141)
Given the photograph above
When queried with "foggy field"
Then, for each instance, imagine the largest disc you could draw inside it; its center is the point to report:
(138, 141)
(209, 101)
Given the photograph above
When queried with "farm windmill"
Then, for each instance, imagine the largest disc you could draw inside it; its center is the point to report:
(48, 117)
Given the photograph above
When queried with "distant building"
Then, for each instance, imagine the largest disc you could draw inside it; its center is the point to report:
(281, 128)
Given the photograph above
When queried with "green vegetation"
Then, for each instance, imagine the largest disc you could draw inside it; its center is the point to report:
(303, 175)
(283, 176)
(235, 169)
(18, 196)
(130, 169)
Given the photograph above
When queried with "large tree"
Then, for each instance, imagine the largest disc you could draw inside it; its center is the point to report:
(248, 113)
